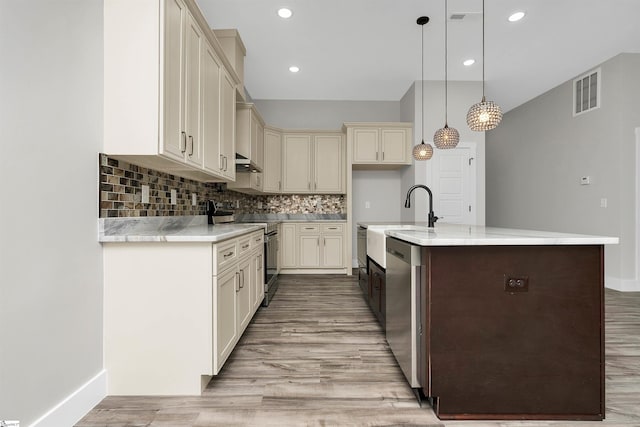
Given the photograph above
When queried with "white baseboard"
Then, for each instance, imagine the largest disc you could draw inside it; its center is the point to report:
(622, 285)
(75, 406)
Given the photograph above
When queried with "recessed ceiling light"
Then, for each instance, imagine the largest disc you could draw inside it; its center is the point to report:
(516, 16)
(469, 62)
(294, 69)
(285, 13)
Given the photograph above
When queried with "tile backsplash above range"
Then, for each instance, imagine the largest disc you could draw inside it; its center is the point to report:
(121, 195)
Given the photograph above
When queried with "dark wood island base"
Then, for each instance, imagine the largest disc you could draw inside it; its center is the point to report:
(513, 332)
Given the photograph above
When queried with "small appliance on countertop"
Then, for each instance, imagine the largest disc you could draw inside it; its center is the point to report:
(214, 216)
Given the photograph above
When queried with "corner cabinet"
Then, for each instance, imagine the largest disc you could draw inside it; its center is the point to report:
(313, 163)
(169, 91)
(313, 245)
(380, 144)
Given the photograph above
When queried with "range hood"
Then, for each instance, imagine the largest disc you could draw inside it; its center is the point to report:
(246, 165)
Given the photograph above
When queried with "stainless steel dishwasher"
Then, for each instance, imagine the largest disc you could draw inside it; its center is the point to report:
(403, 310)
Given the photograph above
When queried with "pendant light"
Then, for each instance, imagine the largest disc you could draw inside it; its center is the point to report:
(485, 115)
(446, 137)
(422, 151)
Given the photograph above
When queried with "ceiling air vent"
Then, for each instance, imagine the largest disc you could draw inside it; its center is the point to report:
(586, 92)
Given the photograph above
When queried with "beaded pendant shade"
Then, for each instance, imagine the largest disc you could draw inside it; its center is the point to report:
(485, 115)
(422, 151)
(446, 137)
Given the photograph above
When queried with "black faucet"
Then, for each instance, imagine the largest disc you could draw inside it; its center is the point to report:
(407, 203)
(211, 209)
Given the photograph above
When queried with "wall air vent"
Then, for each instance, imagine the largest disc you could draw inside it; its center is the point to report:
(586, 92)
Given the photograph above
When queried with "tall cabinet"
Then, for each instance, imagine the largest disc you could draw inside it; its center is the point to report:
(169, 91)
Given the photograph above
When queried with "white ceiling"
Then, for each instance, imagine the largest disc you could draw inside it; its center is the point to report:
(370, 49)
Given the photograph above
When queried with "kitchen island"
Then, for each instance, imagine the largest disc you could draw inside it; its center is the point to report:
(507, 324)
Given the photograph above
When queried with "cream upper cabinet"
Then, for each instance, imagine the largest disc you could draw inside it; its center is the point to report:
(169, 91)
(272, 170)
(329, 165)
(380, 143)
(296, 163)
(250, 134)
(313, 163)
(210, 134)
(228, 126)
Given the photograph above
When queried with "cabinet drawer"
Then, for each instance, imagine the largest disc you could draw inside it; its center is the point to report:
(333, 228)
(224, 255)
(308, 228)
(244, 245)
(257, 239)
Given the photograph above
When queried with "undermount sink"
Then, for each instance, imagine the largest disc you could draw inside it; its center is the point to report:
(376, 239)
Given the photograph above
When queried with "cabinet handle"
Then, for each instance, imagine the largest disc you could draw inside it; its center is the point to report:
(376, 155)
(238, 281)
(184, 139)
(225, 163)
(309, 228)
(383, 156)
(258, 239)
(318, 241)
(309, 185)
(242, 277)
(245, 246)
(191, 140)
(279, 185)
(333, 228)
(227, 255)
(221, 162)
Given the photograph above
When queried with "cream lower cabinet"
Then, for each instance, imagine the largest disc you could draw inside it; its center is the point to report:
(235, 263)
(314, 245)
(313, 163)
(196, 298)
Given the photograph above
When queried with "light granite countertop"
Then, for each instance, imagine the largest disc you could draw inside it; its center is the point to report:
(170, 229)
(473, 235)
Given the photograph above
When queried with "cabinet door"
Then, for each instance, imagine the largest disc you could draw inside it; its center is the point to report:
(296, 167)
(309, 247)
(259, 133)
(225, 326)
(395, 146)
(245, 276)
(174, 135)
(210, 136)
(193, 50)
(332, 253)
(365, 145)
(258, 283)
(329, 169)
(272, 169)
(228, 126)
(289, 247)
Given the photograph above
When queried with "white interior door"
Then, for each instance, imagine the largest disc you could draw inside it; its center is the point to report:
(453, 183)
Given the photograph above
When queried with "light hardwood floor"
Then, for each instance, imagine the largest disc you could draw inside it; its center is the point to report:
(316, 356)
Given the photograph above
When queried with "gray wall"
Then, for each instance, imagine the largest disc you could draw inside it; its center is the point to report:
(50, 260)
(537, 155)
(328, 115)
(462, 95)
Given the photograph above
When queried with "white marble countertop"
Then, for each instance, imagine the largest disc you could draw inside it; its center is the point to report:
(170, 229)
(472, 235)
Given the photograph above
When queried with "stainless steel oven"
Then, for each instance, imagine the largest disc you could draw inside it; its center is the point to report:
(271, 262)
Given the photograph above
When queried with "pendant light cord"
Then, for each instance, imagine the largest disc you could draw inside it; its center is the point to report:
(483, 50)
(446, 67)
(422, 81)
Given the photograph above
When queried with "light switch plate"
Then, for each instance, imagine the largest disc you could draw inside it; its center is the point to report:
(194, 199)
(174, 197)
